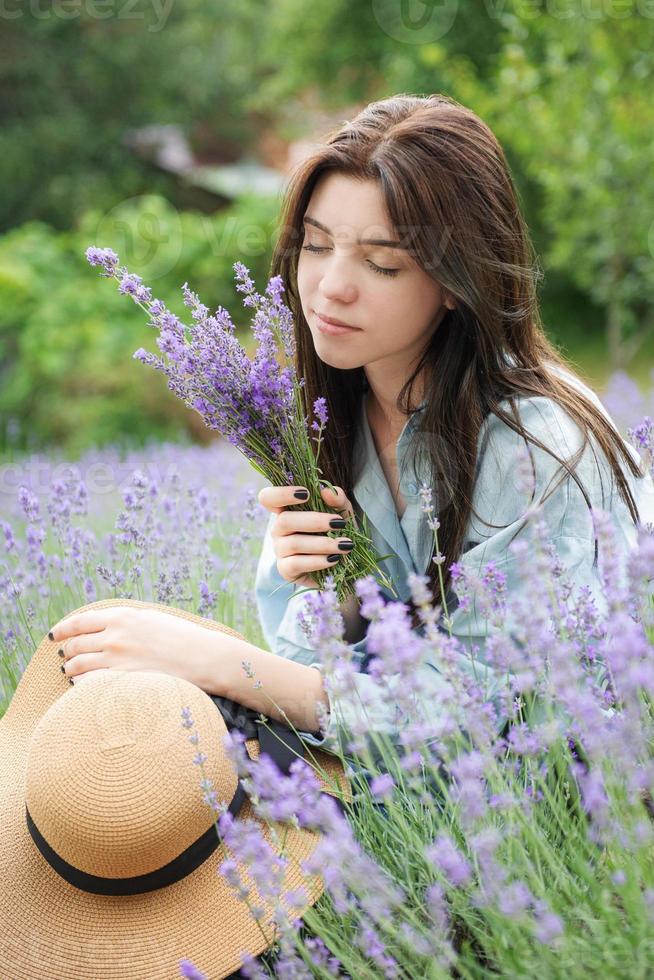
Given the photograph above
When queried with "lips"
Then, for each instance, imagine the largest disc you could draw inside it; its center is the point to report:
(332, 321)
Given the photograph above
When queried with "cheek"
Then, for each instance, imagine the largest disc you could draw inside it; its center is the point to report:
(305, 281)
(393, 304)
(306, 291)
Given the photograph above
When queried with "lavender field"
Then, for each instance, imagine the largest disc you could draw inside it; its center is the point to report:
(535, 858)
(170, 524)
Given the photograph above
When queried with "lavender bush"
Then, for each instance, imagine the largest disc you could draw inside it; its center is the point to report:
(166, 524)
(256, 404)
(519, 854)
(467, 852)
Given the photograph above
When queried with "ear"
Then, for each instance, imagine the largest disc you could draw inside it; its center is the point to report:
(449, 301)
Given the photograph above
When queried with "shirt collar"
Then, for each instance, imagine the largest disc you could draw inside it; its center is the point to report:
(406, 537)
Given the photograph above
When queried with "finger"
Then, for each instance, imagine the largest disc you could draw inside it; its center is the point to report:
(312, 545)
(84, 643)
(92, 621)
(337, 501)
(292, 568)
(305, 522)
(276, 498)
(82, 664)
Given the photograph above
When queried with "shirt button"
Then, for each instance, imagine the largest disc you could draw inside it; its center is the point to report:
(412, 488)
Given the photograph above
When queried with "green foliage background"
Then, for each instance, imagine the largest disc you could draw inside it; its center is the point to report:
(67, 337)
(566, 88)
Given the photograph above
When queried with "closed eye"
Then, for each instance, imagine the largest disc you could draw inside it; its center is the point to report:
(380, 270)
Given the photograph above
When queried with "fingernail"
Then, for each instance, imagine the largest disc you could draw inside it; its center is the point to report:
(60, 652)
(70, 680)
(337, 522)
(62, 668)
(345, 545)
(333, 557)
(50, 636)
(301, 494)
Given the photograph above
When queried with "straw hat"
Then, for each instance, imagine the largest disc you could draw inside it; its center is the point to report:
(98, 786)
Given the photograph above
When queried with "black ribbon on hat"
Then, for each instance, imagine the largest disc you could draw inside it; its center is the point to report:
(280, 743)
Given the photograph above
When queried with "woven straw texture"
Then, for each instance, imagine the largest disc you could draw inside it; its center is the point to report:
(51, 930)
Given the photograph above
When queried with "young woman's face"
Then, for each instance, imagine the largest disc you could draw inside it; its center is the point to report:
(379, 289)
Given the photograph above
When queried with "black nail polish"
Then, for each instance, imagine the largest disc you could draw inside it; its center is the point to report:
(60, 652)
(70, 680)
(62, 668)
(345, 545)
(301, 495)
(50, 636)
(337, 522)
(333, 557)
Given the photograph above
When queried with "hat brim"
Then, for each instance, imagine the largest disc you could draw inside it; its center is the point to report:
(49, 929)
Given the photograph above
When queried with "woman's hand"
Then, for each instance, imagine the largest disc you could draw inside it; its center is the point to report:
(129, 638)
(300, 536)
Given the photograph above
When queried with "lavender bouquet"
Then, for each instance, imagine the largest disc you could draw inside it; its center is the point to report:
(255, 403)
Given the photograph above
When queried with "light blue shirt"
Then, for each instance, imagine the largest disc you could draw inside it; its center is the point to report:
(498, 499)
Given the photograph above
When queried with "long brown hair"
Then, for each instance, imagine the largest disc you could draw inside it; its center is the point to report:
(441, 170)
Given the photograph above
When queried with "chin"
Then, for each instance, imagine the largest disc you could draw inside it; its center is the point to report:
(333, 360)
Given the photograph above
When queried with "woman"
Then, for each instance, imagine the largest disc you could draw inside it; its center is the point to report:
(404, 225)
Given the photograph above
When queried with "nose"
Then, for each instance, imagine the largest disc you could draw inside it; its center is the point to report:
(336, 282)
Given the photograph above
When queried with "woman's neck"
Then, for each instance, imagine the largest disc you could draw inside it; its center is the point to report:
(384, 408)
(385, 430)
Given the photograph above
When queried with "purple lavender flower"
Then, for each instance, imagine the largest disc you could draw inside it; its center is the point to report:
(514, 898)
(320, 411)
(593, 791)
(251, 968)
(382, 786)
(642, 437)
(29, 504)
(493, 593)
(131, 285)
(444, 854)
(188, 970)
(547, 927)
(106, 258)
(461, 585)
(320, 956)
(255, 403)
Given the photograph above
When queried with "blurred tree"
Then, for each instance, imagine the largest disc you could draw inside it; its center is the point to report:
(74, 78)
(569, 98)
(350, 51)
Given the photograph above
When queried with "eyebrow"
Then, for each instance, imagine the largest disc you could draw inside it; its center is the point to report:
(366, 241)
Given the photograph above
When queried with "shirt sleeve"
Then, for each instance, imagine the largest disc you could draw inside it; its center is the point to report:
(500, 503)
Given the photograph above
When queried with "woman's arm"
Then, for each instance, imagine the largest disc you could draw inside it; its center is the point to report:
(294, 687)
